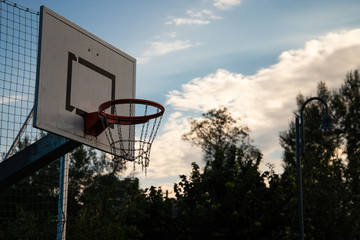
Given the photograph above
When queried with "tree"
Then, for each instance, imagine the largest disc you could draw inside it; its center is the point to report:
(28, 208)
(154, 215)
(82, 165)
(103, 214)
(227, 199)
(346, 104)
(324, 190)
(219, 131)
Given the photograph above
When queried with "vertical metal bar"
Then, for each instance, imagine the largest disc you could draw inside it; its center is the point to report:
(65, 194)
(60, 199)
(299, 177)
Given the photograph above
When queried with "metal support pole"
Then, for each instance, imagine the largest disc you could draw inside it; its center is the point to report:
(65, 195)
(62, 202)
(60, 199)
(299, 177)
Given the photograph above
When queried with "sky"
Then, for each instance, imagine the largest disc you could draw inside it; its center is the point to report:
(252, 56)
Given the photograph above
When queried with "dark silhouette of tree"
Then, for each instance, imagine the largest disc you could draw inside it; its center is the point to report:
(324, 189)
(346, 104)
(104, 209)
(219, 131)
(28, 209)
(226, 200)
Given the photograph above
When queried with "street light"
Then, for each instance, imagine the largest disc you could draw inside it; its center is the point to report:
(326, 127)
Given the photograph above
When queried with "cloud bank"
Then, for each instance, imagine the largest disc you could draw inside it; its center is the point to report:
(265, 101)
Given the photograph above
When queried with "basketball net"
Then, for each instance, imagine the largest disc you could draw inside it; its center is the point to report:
(131, 140)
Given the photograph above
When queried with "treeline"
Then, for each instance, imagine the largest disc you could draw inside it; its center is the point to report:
(230, 198)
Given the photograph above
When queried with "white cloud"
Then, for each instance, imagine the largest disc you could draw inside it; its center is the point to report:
(187, 21)
(202, 14)
(196, 18)
(226, 4)
(160, 48)
(265, 101)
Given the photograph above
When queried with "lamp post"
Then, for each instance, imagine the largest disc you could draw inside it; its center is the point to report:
(326, 127)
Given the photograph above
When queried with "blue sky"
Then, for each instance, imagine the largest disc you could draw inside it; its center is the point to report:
(253, 56)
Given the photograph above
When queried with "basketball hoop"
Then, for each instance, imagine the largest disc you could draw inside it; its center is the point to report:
(130, 136)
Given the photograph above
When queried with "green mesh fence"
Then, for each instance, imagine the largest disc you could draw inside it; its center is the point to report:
(28, 209)
(19, 29)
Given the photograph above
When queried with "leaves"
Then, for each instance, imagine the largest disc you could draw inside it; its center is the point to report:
(229, 198)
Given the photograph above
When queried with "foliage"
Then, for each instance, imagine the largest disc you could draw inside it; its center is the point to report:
(28, 209)
(104, 203)
(328, 200)
(219, 131)
(346, 104)
(228, 199)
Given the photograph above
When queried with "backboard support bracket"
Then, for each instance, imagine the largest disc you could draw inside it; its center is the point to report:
(93, 124)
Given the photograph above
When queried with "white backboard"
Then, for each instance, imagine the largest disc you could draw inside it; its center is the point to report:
(77, 71)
